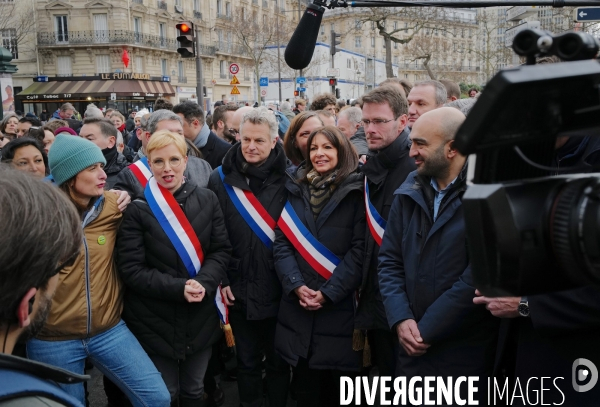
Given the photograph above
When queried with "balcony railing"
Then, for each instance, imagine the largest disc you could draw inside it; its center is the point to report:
(437, 67)
(182, 79)
(198, 15)
(106, 37)
(225, 16)
(207, 50)
(232, 49)
(161, 4)
(138, 1)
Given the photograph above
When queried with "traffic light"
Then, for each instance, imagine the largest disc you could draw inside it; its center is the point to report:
(186, 39)
(337, 93)
(296, 93)
(334, 42)
(332, 82)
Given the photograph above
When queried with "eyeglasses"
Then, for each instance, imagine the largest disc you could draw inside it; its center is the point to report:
(376, 122)
(174, 162)
(234, 131)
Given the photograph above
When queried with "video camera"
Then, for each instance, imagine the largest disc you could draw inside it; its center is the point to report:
(531, 230)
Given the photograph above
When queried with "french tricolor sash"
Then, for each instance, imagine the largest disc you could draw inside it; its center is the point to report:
(175, 224)
(376, 223)
(141, 170)
(255, 215)
(319, 257)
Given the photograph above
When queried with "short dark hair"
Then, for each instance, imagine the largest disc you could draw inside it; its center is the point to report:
(219, 113)
(320, 102)
(190, 111)
(30, 255)
(406, 85)
(107, 128)
(37, 134)
(440, 93)
(34, 122)
(162, 103)
(452, 88)
(389, 95)
(289, 140)
(9, 150)
(347, 155)
(471, 90)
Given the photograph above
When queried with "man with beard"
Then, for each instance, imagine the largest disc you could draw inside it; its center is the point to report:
(255, 167)
(424, 271)
(384, 120)
(32, 257)
(222, 122)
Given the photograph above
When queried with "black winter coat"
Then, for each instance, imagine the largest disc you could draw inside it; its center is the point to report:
(155, 309)
(251, 272)
(385, 172)
(324, 337)
(215, 149)
(115, 162)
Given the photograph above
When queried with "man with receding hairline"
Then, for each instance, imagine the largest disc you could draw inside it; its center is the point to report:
(424, 97)
(424, 271)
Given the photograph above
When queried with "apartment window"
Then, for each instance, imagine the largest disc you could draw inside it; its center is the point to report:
(61, 29)
(372, 25)
(63, 65)
(9, 41)
(322, 29)
(349, 64)
(180, 69)
(395, 25)
(220, 36)
(178, 3)
(228, 9)
(137, 29)
(219, 7)
(196, 5)
(332, 27)
(223, 69)
(163, 67)
(243, 13)
(357, 24)
(162, 33)
(357, 41)
(372, 42)
(139, 64)
(100, 28)
(395, 45)
(103, 63)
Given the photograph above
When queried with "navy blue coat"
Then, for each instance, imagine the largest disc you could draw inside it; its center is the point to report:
(424, 274)
(324, 337)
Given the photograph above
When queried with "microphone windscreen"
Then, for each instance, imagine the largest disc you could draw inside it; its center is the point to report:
(301, 47)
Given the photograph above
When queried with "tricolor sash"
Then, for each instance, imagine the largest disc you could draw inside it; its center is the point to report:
(141, 170)
(178, 228)
(255, 215)
(376, 223)
(319, 257)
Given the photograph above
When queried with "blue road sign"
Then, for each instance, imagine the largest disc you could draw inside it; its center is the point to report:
(301, 89)
(587, 14)
(264, 81)
(42, 78)
(166, 78)
(300, 80)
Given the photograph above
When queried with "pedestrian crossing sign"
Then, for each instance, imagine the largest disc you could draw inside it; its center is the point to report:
(234, 81)
(235, 90)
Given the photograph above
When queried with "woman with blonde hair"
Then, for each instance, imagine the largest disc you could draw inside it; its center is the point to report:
(173, 252)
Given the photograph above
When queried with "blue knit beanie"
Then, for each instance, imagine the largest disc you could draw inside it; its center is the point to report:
(70, 155)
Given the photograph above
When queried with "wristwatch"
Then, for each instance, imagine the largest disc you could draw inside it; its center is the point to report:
(524, 307)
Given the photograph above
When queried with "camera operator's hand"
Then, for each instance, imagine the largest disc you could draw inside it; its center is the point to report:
(501, 307)
(410, 338)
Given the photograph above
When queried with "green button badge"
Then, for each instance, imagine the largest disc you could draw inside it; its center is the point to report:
(101, 240)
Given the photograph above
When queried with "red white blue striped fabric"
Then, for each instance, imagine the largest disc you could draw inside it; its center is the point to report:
(319, 257)
(255, 215)
(141, 170)
(376, 223)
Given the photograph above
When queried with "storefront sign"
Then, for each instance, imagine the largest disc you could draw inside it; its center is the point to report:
(128, 76)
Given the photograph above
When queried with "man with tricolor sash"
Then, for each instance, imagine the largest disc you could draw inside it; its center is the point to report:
(250, 186)
(384, 120)
(134, 178)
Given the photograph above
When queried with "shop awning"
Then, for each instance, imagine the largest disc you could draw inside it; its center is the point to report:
(96, 88)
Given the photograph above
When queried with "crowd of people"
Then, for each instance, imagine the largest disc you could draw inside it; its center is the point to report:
(319, 240)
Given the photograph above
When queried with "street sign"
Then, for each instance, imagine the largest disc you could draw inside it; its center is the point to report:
(520, 12)
(510, 34)
(166, 79)
(264, 81)
(113, 96)
(42, 78)
(587, 14)
(234, 69)
(235, 90)
(263, 92)
(333, 72)
(234, 81)
(300, 80)
(301, 89)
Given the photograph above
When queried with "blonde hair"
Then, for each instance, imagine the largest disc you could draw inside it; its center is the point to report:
(119, 115)
(164, 138)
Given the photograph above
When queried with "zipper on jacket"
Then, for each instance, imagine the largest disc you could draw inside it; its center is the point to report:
(87, 288)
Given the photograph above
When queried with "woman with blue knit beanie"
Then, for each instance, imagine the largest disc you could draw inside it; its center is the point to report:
(85, 316)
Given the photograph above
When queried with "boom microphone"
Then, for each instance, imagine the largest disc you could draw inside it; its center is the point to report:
(301, 47)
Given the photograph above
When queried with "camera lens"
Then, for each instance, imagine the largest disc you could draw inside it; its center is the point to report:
(575, 229)
(576, 46)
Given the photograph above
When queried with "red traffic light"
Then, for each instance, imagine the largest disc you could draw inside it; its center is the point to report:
(332, 82)
(184, 28)
(296, 93)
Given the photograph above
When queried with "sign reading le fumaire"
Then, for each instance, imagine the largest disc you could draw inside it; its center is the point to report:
(122, 75)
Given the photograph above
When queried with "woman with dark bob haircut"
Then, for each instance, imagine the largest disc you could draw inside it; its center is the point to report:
(296, 137)
(26, 154)
(324, 213)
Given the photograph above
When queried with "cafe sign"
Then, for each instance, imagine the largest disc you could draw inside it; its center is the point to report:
(123, 75)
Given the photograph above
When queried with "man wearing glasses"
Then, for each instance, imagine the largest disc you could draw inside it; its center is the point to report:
(384, 121)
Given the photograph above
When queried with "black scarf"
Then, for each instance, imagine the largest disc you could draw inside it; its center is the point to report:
(256, 175)
(110, 154)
